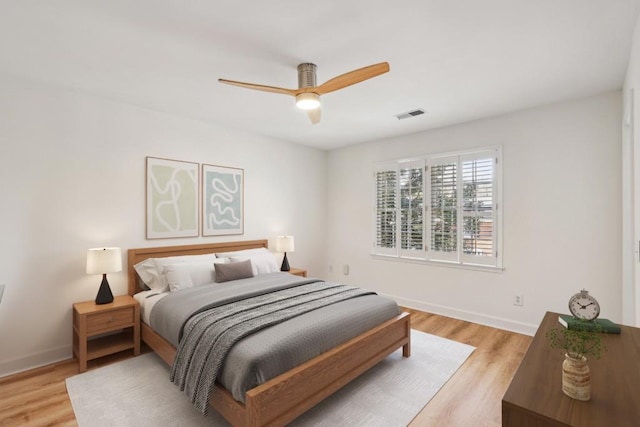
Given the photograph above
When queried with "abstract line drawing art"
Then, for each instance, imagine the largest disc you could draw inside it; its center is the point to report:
(172, 198)
(222, 200)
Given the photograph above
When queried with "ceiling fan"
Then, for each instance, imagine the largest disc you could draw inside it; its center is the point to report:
(308, 94)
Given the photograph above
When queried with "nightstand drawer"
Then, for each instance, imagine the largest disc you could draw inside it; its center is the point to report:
(110, 320)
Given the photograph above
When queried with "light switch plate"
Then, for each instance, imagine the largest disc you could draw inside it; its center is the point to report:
(1, 292)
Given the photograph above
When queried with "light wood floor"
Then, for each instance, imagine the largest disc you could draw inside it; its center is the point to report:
(472, 397)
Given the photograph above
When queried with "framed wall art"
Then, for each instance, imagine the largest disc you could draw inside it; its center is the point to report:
(172, 198)
(222, 200)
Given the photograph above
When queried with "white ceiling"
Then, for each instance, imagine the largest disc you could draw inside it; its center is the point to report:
(458, 59)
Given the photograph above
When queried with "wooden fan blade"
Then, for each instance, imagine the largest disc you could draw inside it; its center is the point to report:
(352, 77)
(272, 89)
(314, 116)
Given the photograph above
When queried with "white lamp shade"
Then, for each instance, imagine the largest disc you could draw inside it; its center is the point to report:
(284, 244)
(104, 260)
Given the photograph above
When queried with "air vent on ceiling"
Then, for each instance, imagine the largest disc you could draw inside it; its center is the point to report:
(408, 114)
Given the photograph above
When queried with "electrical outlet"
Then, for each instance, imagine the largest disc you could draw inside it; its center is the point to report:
(345, 269)
(518, 300)
(1, 292)
(330, 268)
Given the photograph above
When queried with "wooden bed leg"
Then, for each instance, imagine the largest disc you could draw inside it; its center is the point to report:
(406, 349)
(252, 413)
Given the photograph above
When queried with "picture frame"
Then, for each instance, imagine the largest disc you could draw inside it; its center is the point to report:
(172, 202)
(222, 200)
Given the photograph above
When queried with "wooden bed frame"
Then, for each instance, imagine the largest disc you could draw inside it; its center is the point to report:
(284, 398)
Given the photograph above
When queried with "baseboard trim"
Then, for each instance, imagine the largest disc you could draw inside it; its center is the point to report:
(34, 361)
(469, 316)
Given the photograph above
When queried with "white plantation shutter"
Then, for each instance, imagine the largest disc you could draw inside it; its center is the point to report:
(440, 208)
(385, 212)
(443, 231)
(412, 191)
(478, 208)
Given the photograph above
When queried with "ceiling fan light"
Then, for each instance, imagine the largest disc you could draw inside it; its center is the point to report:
(307, 101)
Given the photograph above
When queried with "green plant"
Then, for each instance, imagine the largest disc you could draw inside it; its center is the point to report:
(578, 342)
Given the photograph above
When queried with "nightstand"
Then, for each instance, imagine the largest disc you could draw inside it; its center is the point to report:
(298, 272)
(117, 323)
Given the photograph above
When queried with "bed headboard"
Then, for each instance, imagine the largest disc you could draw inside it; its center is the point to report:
(137, 255)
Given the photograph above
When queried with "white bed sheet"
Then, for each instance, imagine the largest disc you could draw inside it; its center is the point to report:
(147, 300)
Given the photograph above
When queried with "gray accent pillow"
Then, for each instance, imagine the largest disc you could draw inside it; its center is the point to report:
(233, 271)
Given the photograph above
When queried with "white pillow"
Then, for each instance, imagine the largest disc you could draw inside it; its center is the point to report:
(260, 263)
(188, 274)
(247, 253)
(146, 271)
(177, 279)
(150, 270)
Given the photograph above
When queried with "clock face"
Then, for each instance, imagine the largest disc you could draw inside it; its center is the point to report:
(584, 306)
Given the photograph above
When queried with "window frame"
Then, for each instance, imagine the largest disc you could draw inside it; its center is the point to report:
(428, 254)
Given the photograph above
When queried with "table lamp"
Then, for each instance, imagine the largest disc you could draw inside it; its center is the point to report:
(284, 244)
(103, 261)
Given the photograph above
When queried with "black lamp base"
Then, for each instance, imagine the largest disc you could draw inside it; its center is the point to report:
(285, 263)
(104, 293)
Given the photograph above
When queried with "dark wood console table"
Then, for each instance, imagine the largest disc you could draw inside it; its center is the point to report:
(535, 397)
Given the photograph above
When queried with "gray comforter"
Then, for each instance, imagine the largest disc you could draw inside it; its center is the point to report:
(275, 349)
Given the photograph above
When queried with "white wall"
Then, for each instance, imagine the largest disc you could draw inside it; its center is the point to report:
(562, 216)
(72, 168)
(631, 187)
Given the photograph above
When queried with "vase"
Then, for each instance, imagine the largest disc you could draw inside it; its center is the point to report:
(576, 377)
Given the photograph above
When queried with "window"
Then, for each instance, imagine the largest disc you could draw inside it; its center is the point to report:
(440, 208)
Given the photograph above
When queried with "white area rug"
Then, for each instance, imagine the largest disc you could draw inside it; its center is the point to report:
(137, 392)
